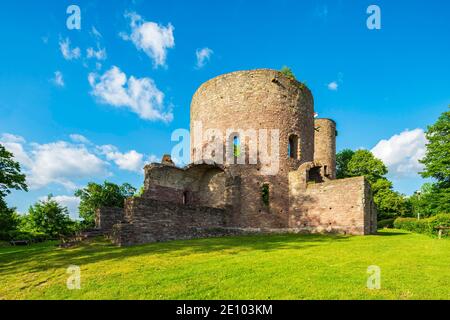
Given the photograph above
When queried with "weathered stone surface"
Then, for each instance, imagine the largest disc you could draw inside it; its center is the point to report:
(338, 206)
(255, 100)
(149, 220)
(106, 218)
(325, 146)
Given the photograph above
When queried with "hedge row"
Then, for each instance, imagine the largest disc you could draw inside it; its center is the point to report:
(386, 223)
(425, 226)
(22, 235)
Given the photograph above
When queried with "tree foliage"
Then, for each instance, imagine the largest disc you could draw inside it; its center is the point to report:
(10, 178)
(10, 175)
(95, 196)
(9, 221)
(49, 218)
(434, 198)
(288, 72)
(437, 157)
(363, 163)
(342, 160)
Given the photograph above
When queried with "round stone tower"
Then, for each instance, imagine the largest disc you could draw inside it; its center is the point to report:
(325, 146)
(235, 109)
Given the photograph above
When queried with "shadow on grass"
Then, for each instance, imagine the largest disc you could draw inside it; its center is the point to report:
(47, 256)
(391, 233)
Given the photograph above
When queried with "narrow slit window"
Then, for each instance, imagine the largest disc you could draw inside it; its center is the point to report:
(265, 194)
(185, 197)
(236, 148)
(293, 147)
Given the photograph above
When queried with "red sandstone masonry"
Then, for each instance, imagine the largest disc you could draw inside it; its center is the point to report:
(106, 218)
(341, 206)
(149, 220)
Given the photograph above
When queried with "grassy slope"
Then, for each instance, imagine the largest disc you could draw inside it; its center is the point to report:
(257, 267)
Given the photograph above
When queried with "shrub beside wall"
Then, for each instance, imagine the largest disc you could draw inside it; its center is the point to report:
(386, 223)
(425, 226)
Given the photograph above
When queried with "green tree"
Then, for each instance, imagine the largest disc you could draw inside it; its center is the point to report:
(342, 159)
(436, 199)
(364, 163)
(421, 201)
(391, 203)
(288, 72)
(95, 196)
(10, 175)
(437, 157)
(140, 192)
(432, 199)
(48, 217)
(9, 221)
(10, 178)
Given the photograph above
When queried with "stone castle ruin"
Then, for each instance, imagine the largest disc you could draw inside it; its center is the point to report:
(212, 198)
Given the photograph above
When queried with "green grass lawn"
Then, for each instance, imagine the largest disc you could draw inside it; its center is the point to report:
(254, 267)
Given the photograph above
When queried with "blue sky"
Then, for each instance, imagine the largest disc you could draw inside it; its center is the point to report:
(61, 89)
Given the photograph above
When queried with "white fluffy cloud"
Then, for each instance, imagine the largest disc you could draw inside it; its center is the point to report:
(70, 164)
(58, 79)
(68, 52)
(402, 152)
(62, 163)
(150, 37)
(78, 138)
(130, 161)
(58, 163)
(203, 56)
(333, 86)
(70, 202)
(14, 144)
(140, 95)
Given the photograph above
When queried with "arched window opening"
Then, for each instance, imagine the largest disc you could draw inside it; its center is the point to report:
(236, 148)
(293, 147)
(314, 175)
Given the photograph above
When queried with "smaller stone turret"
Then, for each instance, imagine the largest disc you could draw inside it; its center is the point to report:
(325, 146)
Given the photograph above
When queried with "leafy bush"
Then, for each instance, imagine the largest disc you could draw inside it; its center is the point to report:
(425, 226)
(31, 236)
(386, 223)
(439, 220)
(46, 220)
(95, 196)
(288, 72)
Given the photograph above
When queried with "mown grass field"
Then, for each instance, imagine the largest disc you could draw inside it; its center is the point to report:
(255, 267)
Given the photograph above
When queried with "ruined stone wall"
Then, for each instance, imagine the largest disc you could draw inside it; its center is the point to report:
(148, 220)
(341, 206)
(254, 100)
(325, 146)
(106, 218)
(203, 185)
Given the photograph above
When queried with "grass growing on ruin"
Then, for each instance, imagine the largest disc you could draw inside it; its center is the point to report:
(255, 267)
